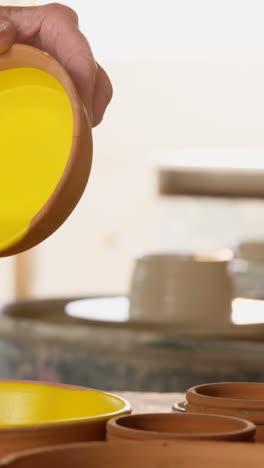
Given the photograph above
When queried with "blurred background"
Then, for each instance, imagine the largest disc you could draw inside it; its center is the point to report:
(178, 165)
(186, 75)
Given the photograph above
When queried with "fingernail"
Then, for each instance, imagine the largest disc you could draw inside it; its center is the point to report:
(3, 27)
(7, 34)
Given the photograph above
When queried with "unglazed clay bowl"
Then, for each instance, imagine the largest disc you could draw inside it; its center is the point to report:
(168, 426)
(154, 454)
(46, 147)
(37, 414)
(240, 399)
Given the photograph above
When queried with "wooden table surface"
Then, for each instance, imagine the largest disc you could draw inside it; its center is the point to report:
(151, 402)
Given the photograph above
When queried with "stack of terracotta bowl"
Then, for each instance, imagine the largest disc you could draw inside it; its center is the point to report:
(55, 425)
(236, 399)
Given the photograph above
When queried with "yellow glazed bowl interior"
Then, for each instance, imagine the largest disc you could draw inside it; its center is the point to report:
(25, 404)
(36, 131)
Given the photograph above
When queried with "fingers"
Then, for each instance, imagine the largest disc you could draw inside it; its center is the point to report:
(7, 34)
(54, 28)
(103, 93)
(61, 37)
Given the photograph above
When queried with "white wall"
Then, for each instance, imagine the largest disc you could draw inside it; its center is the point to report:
(120, 211)
(171, 29)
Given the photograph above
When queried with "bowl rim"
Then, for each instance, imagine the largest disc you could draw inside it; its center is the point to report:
(246, 427)
(203, 452)
(195, 396)
(40, 425)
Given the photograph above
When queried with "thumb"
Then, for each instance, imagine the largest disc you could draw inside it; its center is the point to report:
(7, 34)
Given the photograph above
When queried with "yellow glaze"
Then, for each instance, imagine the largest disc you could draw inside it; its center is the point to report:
(36, 129)
(23, 404)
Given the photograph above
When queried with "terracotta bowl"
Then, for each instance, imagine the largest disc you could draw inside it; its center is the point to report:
(37, 414)
(46, 147)
(180, 426)
(240, 399)
(157, 454)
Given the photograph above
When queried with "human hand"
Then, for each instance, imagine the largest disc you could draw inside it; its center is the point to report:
(54, 29)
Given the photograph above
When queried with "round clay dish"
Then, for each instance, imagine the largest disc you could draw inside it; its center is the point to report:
(52, 184)
(179, 426)
(39, 414)
(155, 454)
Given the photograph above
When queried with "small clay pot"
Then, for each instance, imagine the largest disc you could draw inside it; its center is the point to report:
(240, 399)
(179, 426)
(154, 454)
(190, 290)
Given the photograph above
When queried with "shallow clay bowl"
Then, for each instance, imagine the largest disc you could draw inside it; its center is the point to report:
(179, 426)
(37, 414)
(155, 454)
(46, 147)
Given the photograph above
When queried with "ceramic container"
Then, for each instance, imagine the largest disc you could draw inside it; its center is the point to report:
(37, 414)
(179, 426)
(46, 147)
(149, 454)
(193, 290)
(251, 250)
(248, 269)
(243, 400)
